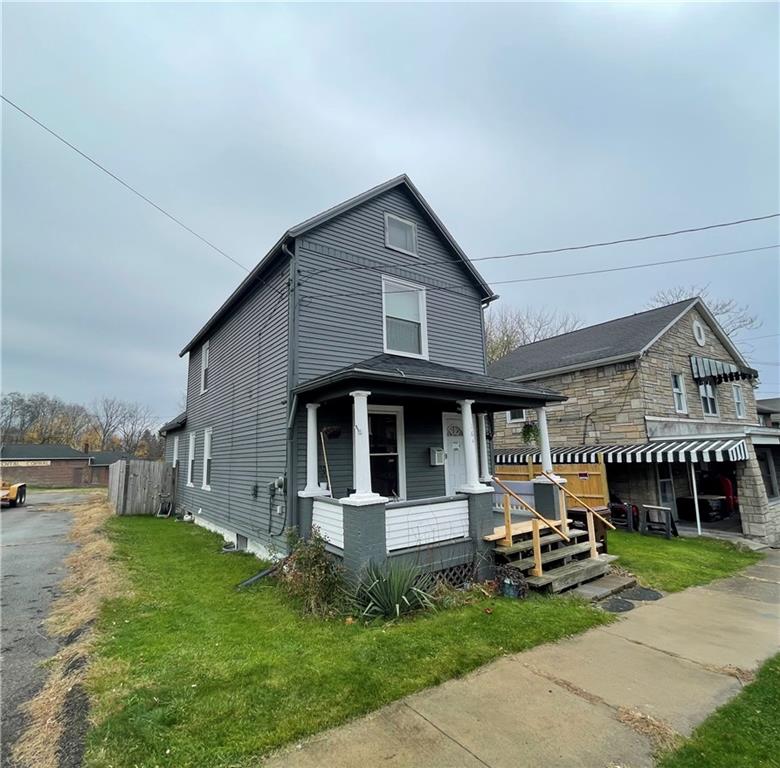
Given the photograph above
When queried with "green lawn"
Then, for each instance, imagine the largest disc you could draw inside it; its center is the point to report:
(745, 733)
(218, 676)
(675, 564)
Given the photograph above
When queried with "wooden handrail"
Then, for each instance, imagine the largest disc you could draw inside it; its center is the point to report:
(579, 500)
(527, 506)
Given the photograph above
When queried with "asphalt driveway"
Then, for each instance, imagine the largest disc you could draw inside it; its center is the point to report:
(34, 545)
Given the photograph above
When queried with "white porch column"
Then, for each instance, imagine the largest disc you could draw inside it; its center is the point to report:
(361, 459)
(544, 440)
(470, 448)
(312, 483)
(485, 475)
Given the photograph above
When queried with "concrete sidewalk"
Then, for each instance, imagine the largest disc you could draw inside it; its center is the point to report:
(608, 697)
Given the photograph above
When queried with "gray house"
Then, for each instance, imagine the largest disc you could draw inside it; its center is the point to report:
(342, 385)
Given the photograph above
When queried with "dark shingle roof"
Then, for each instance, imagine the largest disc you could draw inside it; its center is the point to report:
(768, 405)
(422, 373)
(175, 423)
(104, 458)
(623, 338)
(42, 451)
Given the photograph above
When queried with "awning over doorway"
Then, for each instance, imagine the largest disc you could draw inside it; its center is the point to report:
(733, 449)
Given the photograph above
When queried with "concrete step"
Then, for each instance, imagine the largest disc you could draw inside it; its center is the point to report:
(603, 587)
(571, 575)
(528, 544)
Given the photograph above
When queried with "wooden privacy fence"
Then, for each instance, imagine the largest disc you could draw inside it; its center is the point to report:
(135, 485)
(588, 481)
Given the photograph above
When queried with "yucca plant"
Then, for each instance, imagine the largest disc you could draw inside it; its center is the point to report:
(392, 588)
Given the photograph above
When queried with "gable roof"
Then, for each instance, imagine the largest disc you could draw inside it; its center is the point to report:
(18, 452)
(622, 339)
(280, 248)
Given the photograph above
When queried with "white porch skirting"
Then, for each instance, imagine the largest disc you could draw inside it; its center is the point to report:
(414, 525)
(328, 517)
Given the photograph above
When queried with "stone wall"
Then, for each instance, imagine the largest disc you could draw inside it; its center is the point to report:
(604, 406)
(760, 515)
(671, 354)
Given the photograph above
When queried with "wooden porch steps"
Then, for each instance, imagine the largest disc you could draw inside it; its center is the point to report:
(518, 529)
(527, 544)
(571, 575)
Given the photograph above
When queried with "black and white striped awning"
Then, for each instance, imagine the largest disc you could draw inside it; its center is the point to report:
(707, 370)
(732, 449)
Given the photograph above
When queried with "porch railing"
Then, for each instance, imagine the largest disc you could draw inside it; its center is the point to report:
(328, 516)
(417, 523)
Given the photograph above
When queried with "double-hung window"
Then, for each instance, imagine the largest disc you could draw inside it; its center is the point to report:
(191, 461)
(206, 482)
(405, 325)
(678, 390)
(739, 403)
(516, 416)
(400, 234)
(204, 367)
(709, 403)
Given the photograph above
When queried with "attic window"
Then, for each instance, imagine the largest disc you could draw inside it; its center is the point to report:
(400, 234)
(698, 333)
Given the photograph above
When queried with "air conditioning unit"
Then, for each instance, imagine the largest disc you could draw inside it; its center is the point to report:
(437, 457)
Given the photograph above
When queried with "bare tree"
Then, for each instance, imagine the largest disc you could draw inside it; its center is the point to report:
(136, 421)
(507, 328)
(106, 416)
(732, 316)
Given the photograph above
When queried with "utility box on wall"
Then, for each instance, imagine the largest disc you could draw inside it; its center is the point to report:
(437, 457)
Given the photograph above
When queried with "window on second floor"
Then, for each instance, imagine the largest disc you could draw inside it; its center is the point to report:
(405, 325)
(739, 403)
(516, 416)
(709, 403)
(204, 367)
(191, 461)
(678, 390)
(400, 234)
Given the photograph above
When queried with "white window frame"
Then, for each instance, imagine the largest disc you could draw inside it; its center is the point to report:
(522, 420)
(699, 334)
(191, 461)
(703, 395)
(680, 392)
(421, 297)
(175, 450)
(207, 433)
(739, 401)
(398, 410)
(204, 366)
(398, 248)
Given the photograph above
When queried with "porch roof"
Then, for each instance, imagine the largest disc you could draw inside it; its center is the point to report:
(695, 450)
(407, 376)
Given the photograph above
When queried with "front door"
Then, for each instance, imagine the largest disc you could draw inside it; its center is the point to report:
(454, 453)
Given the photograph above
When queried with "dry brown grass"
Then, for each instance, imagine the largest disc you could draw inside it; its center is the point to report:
(660, 734)
(92, 578)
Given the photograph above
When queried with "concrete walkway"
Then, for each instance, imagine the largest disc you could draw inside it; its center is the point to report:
(607, 698)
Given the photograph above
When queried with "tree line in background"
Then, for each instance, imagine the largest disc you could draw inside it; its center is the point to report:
(105, 425)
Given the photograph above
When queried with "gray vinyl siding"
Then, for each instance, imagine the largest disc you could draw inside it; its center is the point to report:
(335, 331)
(422, 430)
(246, 408)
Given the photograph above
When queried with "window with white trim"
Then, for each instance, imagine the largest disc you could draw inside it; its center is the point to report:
(175, 450)
(405, 325)
(191, 461)
(709, 403)
(206, 482)
(516, 416)
(739, 403)
(400, 234)
(678, 390)
(204, 367)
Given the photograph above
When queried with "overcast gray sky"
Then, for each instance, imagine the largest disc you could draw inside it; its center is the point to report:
(526, 126)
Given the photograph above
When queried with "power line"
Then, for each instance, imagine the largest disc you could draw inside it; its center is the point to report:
(568, 274)
(755, 338)
(123, 183)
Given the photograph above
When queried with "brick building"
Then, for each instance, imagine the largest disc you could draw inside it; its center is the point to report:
(666, 400)
(47, 466)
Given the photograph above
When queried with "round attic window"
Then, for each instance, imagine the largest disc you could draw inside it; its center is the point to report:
(698, 333)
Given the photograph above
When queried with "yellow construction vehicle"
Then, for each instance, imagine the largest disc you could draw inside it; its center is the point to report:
(13, 494)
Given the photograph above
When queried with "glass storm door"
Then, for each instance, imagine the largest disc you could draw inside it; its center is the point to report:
(385, 459)
(454, 453)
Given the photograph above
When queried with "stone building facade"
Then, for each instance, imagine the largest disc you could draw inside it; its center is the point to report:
(654, 397)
